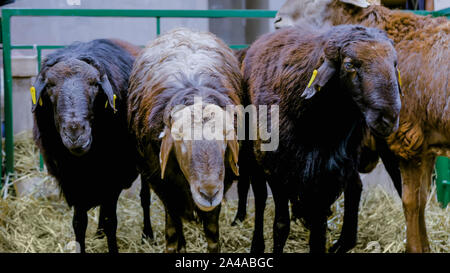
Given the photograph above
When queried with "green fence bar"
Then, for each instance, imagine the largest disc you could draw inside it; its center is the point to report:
(437, 13)
(9, 136)
(158, 26)
(143, 13)
(443, 180)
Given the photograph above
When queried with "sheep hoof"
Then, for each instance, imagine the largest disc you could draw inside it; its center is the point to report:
(342, 246)
(257, 247)
(238, 219)
(99, 234)
(170, 249)
(148, 237)
(182, 249)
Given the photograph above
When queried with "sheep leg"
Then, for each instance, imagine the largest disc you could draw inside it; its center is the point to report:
(79, 223)
(101, 224)
(281, 224)
(424, 192)
(147, 232)
(211, 228)
(260, 194)
(296, 209)
(317, 236)
(175, 241)
(348, 237)
(391, 163)
(242, 188)
(416, 178)
(110, 208)
(246, 159)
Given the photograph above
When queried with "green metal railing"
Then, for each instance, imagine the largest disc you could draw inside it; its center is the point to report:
(437, 13)
(443, 180)
(157, 14)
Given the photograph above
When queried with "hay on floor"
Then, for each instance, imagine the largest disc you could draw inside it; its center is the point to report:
(32, 223)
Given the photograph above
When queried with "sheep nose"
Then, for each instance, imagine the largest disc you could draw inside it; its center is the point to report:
(73, 131)
(390, 122)
(208, 195)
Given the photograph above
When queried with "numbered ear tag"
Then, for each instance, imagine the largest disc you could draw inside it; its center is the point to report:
(313, 77)
(33, 94)
(399, 78)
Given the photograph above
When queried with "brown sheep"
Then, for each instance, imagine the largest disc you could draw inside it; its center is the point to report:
(179, 75)
(423, 48)
(322, 119)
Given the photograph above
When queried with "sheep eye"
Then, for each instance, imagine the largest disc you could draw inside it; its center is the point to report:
(348, 65)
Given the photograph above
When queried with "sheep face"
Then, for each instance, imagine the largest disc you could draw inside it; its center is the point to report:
(201, 159)
(71, 86)
(369, 72)
(315, 12)
(364, 62)
(293, 11)
(202, 163)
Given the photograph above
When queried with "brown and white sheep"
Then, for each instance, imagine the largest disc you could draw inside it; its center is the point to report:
(423, 47)
(180, 75)
(331, 86)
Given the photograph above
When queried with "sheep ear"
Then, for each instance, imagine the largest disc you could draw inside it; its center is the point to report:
(107, 88)
(319, 78)
(358, 3)
(166, 147)
(233, 155)
(36, 91)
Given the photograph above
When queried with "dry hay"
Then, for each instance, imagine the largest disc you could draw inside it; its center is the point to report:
(33, 224)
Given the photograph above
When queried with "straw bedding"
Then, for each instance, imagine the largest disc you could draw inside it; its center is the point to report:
(32, 223)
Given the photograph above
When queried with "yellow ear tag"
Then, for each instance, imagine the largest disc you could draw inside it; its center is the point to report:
(114, 103)
(33, 94)
(312, 78)
(40, 101)
(399, 78)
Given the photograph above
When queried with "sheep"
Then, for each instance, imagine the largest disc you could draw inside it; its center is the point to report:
(331, 86)
(422, 44)
(181, 74)
(80, 126)
(368, 160)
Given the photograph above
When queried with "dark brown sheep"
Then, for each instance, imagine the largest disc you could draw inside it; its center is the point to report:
(85, 144)
(322, 119)
(422, 44)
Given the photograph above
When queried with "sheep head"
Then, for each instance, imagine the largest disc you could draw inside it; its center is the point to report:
(364, 62)
(204, 142)
(312, 11)
(69, 87)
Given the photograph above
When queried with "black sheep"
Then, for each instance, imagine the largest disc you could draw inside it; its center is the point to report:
(79, 105)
